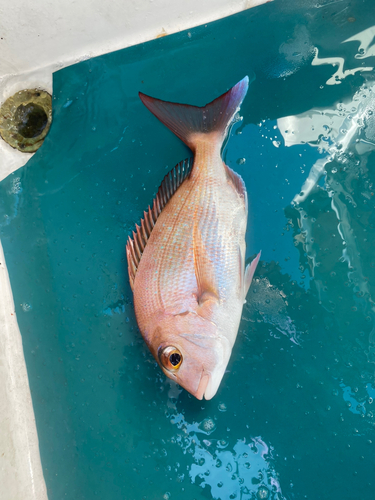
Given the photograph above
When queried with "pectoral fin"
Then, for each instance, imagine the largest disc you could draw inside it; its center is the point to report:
(204, 270)
(249, 273)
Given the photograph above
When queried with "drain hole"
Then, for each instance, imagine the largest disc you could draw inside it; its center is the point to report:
(25, 119)
(30, 120)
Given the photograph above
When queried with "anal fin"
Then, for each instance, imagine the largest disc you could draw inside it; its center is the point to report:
(249, 273)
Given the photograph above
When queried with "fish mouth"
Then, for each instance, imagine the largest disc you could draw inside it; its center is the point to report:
(209, 384)
(205, 378)
(213, 385)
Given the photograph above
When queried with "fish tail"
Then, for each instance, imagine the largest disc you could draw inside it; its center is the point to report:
(189, 123)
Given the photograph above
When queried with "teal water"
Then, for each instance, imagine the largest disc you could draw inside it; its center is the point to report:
(294, 416)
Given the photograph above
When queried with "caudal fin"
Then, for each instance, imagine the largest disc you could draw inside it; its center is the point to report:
(189, 122)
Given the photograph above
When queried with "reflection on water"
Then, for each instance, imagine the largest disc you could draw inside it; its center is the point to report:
(339, 236)
(362, 406)
(241, 470)
(270, 303)
(366, 49)
(366, 43)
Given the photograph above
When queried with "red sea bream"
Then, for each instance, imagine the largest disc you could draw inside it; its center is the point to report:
(186, 260)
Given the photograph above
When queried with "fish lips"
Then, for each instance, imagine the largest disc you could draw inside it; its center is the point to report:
(209, 384)
(205, 380)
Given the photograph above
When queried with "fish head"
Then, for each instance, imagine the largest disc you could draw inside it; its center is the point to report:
(191, 351)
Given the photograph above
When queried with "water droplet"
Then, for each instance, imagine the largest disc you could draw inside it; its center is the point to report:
(263, 493)
(207, 425)
(222, 407)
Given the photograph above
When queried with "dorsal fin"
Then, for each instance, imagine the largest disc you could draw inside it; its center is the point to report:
(237, 182)
(137, 243)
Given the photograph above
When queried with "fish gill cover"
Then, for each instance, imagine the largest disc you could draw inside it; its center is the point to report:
(295, 419)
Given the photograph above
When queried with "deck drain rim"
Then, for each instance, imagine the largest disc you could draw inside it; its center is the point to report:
(25, 119)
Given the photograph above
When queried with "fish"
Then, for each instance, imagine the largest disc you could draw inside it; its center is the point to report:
(186, 258)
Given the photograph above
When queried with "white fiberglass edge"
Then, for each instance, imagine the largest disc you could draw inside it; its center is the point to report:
(21, 475)
(38, 34)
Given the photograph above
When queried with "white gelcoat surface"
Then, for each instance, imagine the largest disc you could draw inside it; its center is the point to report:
(38, 38)
(38, 34)
(21, 474)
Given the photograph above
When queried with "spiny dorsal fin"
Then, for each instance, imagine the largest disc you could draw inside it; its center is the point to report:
(137, 243)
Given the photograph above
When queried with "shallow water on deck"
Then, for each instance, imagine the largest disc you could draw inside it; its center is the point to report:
(294, 417)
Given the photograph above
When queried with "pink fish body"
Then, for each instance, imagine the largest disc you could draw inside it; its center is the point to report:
(186, 260)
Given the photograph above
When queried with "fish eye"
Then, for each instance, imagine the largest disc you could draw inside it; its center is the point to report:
(171, 358)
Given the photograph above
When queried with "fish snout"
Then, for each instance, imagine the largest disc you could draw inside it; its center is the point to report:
(201, 385)
(211, 382)
(197, 362)
(209, 378)
(205, 379)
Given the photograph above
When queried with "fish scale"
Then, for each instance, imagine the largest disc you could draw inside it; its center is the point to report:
(174, 258)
